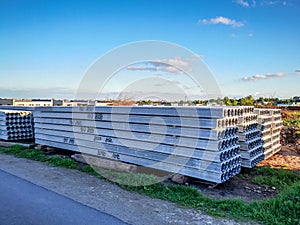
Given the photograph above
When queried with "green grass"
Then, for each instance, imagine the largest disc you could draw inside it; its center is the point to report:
(283, 209)
(22, 152)
(123, 179)
(291, 122)
(88, 169)
(66, 163)
(278, 178)
(295, 114)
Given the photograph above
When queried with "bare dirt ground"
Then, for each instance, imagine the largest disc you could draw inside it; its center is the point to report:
(238, 187)
(105, 196)
(288, 158)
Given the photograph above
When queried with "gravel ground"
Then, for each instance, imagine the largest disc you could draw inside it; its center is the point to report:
(105, 196)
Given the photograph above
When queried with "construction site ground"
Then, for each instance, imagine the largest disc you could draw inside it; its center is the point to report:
(241, 186)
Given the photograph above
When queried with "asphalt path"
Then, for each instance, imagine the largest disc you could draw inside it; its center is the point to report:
(24, 203)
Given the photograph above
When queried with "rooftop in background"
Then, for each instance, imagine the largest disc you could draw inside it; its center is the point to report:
(37, 102)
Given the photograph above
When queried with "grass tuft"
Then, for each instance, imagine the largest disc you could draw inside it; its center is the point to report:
(66, 163)
(278, 178)
(88, 169)
(280, 210)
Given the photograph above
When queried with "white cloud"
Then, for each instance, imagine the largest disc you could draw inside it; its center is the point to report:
(176, 65)
(297, 71)
(242, 3)
(264, 76)
(246, 3)
(273, 3)
(176, 62)
(144, 67)
(249, 3)
(222, 20)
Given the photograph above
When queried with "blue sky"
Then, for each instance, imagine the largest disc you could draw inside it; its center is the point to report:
(252, 47)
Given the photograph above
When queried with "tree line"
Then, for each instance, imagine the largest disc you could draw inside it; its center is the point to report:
(245, 101)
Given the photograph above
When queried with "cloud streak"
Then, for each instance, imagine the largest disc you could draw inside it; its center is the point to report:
(273, 3)
(222, 20)
(176, 66)
(242, 3)
(263, 76)
(248, 3)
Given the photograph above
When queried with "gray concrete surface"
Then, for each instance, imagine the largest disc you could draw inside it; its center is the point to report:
(105, 196)
(25, 203)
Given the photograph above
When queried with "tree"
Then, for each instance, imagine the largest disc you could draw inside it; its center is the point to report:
(235, 102)
(227, 101)
(249, 100)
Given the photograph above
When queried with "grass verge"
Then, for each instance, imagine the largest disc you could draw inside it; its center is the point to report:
(283, 209)
(22, 152)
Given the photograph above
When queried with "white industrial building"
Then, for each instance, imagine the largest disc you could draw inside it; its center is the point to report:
(37, 102)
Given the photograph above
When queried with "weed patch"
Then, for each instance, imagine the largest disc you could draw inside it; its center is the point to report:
(66, 163)
(278, 178)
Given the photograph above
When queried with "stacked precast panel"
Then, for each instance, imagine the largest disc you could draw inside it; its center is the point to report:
(270, 124)
(249, 137)
(15, 125)
(200, 142)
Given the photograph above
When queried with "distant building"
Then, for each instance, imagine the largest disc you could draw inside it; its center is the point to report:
(37, 102)
(103, 103)
(211, 103)
(284, 105)
(86, 103)
(78, 103)
(6, 101)
(262, 102)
